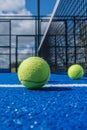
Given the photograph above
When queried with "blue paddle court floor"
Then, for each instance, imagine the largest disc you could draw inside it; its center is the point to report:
(60, 105)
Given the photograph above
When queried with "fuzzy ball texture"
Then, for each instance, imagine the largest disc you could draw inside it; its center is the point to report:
(34, 72)
(75, 71)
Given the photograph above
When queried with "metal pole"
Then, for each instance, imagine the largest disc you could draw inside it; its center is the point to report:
(16, 53)
(36, 36)
(55, 54)
(74, 34)
(10, 44)
(38, 11)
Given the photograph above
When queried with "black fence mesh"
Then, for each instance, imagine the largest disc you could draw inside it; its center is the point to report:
(65, 43)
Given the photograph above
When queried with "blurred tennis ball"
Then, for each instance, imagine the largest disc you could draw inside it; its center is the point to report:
(75, 71)
(34, 72)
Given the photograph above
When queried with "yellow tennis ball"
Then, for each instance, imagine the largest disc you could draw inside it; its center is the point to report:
(34, 72)
(75, 71)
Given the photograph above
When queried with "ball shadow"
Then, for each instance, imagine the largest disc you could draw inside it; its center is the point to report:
(55, 89)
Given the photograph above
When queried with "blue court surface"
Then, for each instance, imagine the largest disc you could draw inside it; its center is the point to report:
(60, 105)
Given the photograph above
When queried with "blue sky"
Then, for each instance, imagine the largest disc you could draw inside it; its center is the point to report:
(46, 6)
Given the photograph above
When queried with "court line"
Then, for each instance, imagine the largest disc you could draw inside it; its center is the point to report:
(47, 85)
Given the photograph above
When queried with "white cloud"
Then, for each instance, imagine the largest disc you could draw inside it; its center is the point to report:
(11, 5)
(23, 27)
(24, 12)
